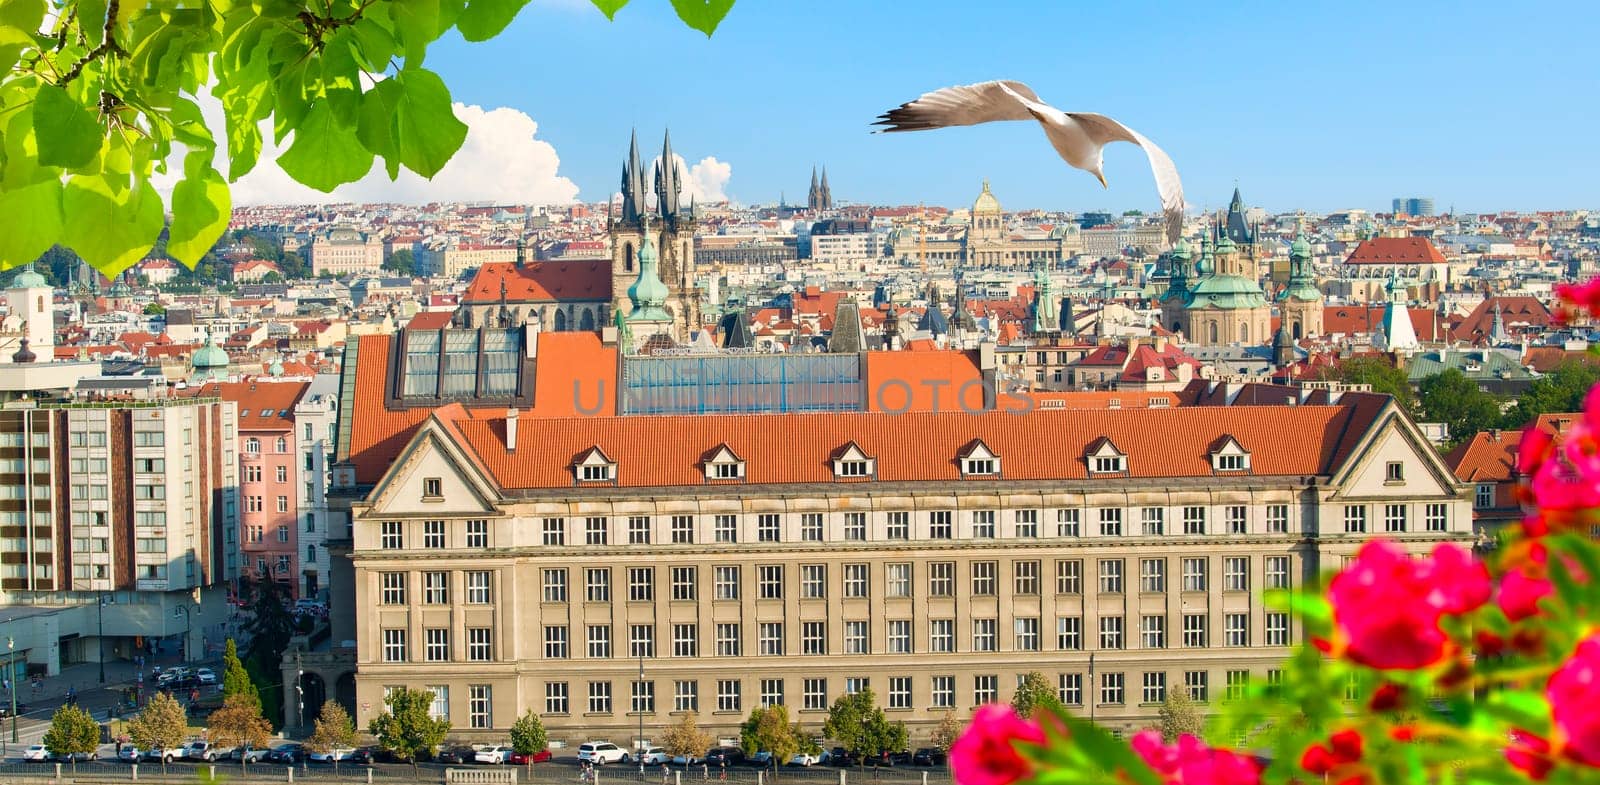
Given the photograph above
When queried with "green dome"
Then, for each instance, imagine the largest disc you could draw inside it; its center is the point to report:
(29, 279)
(276, 368)
(648, 293)
(1180, 252)
(1228, 292)
(1300, 249)
(210, 356)
(1225, 245)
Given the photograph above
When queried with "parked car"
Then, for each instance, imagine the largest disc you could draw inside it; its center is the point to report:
(600, 753)
(205, 750)
(684, 760)
(69, 757)
(5, 709)
(808, 758)
(249, 754)
(330, 756)
(841, 757)
(653, 756)
(762, 759)
(929, 756)
(129, 753)
(724, 756)
(901, 758)
(523, 759)
(36, 752)
(490, 753)
(287, 753)
(175, 673)
(361, 756)
(163, 755)
(205, 676)
(455, 755)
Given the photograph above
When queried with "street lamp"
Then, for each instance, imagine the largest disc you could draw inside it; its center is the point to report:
(300, 698)
(638, 744)
(102, 636)
(11, 678)
(1091, 697)
(187, 623)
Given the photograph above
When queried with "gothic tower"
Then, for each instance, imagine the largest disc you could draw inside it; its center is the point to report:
(670, 226)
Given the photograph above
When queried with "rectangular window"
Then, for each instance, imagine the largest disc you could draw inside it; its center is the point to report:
(555, 642)
(393, 585)
(1110, 522)
(1026, 630)
(1153, 632)
(1231, 463)
(725, 528)
(643, 697)
(814, 637)
(940, 526)
(942, 692)
(1394, 517)
(855, 637)
(1436, 517)
(599, 641)
(1069, 633)
(1198, 685)
(1155, 687)
(596, 531)
(597, 584)
(478, 592)
(769, 581)
(983, 524)
(392, 535)
(479, 706)
(432, 488)
(855, 580)
(941, 579)
(1394, 471)
(726, 582)
(1277, 629)
(899, 692)
(728, 695)
(1237, 682)
(1194, 630)
(1111, 689)
(555, 585)
(556, 698)
(1067, 524)
(1110, 576)
(555, 531)
(683, 583)
(433, 534)
(897, 580)
(771, 638)
(599, 697)
(811, 527)
(686, 696)
(899, 526)
(682, 529)
(1111, 632)
(855, 526)
(1236, 519)
(1355, 518)
(813, 581)
(941, 635)
(772, 692)
(641, 584)
(1194, 574)
(1483, 496)
(1069, 576)
(1277, 519)
(1153, 576)
(1236, 573)
(1277, 572)
(768, 528)
(436, 588)
(480, 644)
(1194, 520)
(856, 684)
(1027, 523)
(1236, 629)
(436, 644)
(1152, 521)
(985, 689)
(728, 643)
(1069, 689)
(983, 578)
(685, 640)
(638, 530)
(394, 645)
(1025, 577)
(814, 694)
(899, 636)
(641, 640)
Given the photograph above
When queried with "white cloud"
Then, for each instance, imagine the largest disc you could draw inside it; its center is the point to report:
(705, 182)
(500, 161)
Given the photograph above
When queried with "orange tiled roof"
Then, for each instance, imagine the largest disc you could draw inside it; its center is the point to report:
(1490, 456)
(1395, 250)
(430, 320)
(541, 282)
(255, 398)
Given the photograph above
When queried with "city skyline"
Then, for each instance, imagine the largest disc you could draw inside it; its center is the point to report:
(1267, 99)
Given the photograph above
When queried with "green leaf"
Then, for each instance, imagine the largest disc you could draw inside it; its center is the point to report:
(325, 155)
(485, 19)
(68, 134)
(416, 24)
(201, 207)
(92, 20)
(111, 231)
(33, 222)
(18, 21)
(702, 15)
(426, 129)
(609, 7)
(375, 127)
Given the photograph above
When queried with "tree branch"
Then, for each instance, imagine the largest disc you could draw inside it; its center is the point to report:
(107, 44)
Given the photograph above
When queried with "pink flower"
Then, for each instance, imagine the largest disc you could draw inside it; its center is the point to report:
(1522, 588)
(1573, 692)
(1387, 606)
(1191, 762)
(1584, 296)
(986, 753)
(1529, 754)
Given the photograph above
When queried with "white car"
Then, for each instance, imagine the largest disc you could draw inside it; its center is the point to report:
(205, 676)
(163, 755)
(684, 760)
(654, 756)
(205, 750)
(250, 754)
(329, 756)
(600, 753)
(490, 753)
(129, 753)
(36, 752)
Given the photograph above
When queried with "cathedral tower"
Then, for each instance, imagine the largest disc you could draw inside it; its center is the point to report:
(669, 224)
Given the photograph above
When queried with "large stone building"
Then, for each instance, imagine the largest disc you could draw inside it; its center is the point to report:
(985, 241)
(342, 251)
(1219, 300)
(541, 545)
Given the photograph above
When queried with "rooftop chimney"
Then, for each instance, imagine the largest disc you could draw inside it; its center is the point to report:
(511, 430)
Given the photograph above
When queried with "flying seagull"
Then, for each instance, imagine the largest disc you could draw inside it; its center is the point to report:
(1080, 137)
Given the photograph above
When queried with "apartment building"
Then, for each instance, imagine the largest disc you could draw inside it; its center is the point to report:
(315, 417)
(343, 251)
(514, 554)
(270, 482)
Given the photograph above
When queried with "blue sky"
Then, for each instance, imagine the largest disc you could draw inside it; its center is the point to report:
(1316, 106)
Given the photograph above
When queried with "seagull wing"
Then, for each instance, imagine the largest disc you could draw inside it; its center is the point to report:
(1103, 129)
(984, 102)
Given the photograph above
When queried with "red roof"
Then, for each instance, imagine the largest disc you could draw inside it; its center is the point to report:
(1490, 456)
(1396, 250)
(1354, 319)
(257, 398)
(430, 320)
(1521, 314)
(541, 281)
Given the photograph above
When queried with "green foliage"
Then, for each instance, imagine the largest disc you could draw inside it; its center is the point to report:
(407, 730)
(856, 723)
(272, 698)
(333, 729)
(235, 681)
(161, 724)
(768, 730)
(1453, 399)
(271, 628)
(99, 96)
(157, 309)
(1561, 390)
(1179, 715)
(1384, 378)
(402, 261)
(72, 732)
(1034, 692)
(528, 735)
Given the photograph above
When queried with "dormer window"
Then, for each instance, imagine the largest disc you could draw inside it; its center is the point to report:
(1104, 458)
(723, 464)
(979, 461)
(1227, 455)
(852, 462)
(594, 466)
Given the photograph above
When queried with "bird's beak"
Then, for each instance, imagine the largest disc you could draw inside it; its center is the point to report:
(1102, 179)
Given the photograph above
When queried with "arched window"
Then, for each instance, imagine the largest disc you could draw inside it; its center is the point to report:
(283, 445)
(1244, 333)
(1295, 327)
(252, 446)
(1212, 331)
(627, 258)
(561, 321)
(586, 323)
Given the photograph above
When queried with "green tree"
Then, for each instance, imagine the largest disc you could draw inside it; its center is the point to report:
(1033, 693)
(528, 735)
(1179, 715)
(154, 309)
(161, 725)
(407, 730)
(72, 732)
(947, 731)
(235, 681)
(239, 723)
(860, 726)
(271, 628)
(1561, 390)
(1451, 398)
(99, 93)
(333, 730)
(768, 730)
(1381, 375)
(686, 738)
(401, 261)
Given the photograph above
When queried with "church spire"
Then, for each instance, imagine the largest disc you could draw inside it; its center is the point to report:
(667, 185)
(827, 194)
(633, 189)
(648, 293)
